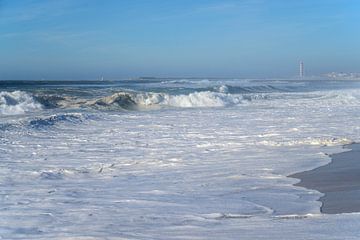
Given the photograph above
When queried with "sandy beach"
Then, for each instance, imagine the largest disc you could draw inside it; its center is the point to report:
(339, 181)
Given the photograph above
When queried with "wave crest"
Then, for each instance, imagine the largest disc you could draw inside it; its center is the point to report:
(141, 100)
(192, 100)
(17, 102)
(21, 102)
(118, 100)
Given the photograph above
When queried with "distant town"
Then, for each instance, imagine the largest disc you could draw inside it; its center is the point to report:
(343, 75)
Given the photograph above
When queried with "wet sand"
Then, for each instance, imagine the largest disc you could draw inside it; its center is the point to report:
(339, 181)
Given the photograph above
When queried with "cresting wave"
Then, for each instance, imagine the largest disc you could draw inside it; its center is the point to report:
(196, 99)
(223, 97)
(17, 102)
(138, 101)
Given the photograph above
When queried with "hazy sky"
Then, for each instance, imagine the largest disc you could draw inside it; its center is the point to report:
(84, 39)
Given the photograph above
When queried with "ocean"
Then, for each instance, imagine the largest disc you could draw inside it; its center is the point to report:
(171, 158)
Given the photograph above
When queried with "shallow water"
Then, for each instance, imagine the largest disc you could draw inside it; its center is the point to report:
(338, 181)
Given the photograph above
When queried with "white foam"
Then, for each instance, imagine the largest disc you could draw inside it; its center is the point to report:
(180, 173)
(222, 89)
(196, 99)
(17, 102)
(331, 141)
(140, 100)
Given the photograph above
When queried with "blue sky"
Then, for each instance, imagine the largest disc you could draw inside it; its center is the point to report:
(85, 39)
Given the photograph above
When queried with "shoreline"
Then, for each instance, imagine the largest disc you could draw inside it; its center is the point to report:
(338, 180)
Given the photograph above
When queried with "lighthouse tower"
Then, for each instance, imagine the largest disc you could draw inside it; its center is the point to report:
(301, 69)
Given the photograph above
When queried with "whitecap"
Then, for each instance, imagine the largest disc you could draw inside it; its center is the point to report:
(17, 102)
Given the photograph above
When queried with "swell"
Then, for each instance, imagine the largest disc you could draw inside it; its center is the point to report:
(22, 102)
(251, 89)
(204, 94)
(19, 102)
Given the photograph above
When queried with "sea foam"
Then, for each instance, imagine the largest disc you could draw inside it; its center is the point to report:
(215, 172)
(196, 99)
(143, 100)
(17, 102)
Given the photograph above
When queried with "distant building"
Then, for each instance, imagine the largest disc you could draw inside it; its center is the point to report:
(343, 75)
(301, 69)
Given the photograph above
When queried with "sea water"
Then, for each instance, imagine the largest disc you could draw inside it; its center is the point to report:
(171, 158)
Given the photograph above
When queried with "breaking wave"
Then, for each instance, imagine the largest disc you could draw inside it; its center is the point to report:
(52, 101)
(136, 101)
(141, 100)
(196, 99)
(17, 102)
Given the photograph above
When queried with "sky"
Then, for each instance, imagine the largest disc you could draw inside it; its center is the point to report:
(87, 39)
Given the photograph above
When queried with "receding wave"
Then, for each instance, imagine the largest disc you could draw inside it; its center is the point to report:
(17, 102)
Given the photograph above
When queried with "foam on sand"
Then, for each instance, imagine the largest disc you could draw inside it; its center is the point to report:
(338, 180)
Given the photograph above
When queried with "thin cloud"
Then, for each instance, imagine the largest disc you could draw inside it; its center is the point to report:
(54, 37)
(36, 10)
(229, 6)
(224, 7)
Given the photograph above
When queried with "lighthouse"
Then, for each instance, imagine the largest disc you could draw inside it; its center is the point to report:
(301, 69)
